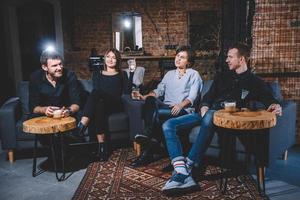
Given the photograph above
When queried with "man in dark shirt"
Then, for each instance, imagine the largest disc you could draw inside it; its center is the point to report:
(52, 87)
(237, 84)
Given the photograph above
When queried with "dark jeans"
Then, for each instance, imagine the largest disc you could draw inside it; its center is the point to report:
(98, 107)
(154, 113)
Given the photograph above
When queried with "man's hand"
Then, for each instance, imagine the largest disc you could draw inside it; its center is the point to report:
(176, 109)
(50, 109)
(275, 108)
(203, 110)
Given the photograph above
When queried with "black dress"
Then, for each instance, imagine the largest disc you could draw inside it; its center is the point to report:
(105, 99)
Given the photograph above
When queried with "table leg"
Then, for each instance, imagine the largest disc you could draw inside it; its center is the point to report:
(262, 159)
(53, 152)
(227, 142)
(63, 176)
(34, 173)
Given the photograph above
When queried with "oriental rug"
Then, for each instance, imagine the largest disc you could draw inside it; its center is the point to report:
(116, 179)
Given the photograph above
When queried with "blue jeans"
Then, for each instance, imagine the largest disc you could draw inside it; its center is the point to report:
(172, 126)
(154, 113)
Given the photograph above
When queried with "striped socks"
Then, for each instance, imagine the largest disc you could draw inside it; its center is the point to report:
(180, 167)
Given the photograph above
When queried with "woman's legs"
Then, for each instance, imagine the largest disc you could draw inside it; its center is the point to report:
(97, 109)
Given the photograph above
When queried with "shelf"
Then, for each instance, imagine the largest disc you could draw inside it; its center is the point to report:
(147, 57)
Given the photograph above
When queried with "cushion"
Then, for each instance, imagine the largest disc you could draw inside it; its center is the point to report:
(118, 122)
(206, 86)
(276, 90)
(23, 93)
(87, 84)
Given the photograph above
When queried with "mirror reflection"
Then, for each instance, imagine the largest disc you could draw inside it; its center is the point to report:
(127, 32)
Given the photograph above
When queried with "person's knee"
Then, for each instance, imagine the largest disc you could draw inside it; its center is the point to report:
(169, 127)
(150, 99)
(208, 119)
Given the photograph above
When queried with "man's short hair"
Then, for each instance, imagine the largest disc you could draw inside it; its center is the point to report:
(243, 50)
(50, 55)
(190, 52)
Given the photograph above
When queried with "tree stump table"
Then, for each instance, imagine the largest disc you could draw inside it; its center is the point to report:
(252, 126)
(53, 127)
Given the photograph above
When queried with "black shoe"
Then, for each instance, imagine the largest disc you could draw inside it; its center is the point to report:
(141, 139)
(198, 172)
(72, 139)
(168, 168)
(103, 152)
(81, 128)
(144, 159)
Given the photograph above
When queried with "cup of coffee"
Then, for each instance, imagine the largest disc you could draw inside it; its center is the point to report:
(57, 113)
(229, 106)
(135, 93)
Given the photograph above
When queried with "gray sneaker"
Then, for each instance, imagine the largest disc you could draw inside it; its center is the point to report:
(179, 184)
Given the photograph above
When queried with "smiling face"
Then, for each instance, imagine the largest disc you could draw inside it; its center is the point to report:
(54, 68)
(181, 60)
(110, 60)
(233, 59)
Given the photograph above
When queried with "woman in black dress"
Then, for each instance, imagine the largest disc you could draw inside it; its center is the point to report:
(108, 86)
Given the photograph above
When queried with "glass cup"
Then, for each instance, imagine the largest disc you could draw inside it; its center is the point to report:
(229, 106)
(135, 93)
(131, 65)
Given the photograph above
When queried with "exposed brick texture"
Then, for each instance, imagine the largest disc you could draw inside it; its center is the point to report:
(87, 24)
(276, 47)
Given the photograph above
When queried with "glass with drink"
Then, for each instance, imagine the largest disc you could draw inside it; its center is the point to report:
(131, 65)
(135, 94)
(229, 106)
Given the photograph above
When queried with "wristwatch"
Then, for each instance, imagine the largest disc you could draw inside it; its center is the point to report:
(69, 111)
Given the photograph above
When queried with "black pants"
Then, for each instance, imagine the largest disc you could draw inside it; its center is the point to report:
(154, 113)
(98, 107)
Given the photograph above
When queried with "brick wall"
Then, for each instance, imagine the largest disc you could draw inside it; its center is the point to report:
(87, 24)
(276, 48)
(276, 45)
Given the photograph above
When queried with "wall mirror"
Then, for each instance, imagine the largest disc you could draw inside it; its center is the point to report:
(127, 32)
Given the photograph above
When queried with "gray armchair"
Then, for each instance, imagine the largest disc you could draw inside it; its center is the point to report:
(16, 110)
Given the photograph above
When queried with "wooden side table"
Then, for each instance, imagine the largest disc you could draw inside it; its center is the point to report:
(249, 124)
(53, 127)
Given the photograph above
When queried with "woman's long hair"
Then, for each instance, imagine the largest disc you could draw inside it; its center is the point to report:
(118, 58)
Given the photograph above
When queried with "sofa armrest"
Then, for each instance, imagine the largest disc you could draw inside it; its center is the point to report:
(133, 108)
(10, 113)
(283, 135)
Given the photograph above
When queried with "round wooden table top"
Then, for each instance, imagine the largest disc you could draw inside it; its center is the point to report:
(244, 120)
(49, 125)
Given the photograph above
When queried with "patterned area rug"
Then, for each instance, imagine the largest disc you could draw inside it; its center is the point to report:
(115, 179)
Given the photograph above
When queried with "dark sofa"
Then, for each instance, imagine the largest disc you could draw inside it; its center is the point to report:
(16, 110)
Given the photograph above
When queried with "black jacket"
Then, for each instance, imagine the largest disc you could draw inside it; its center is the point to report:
(230, 86)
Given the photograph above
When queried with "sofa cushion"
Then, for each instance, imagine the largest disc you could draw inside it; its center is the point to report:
(276, 90)
(87, 84)
(23, 94)
(118, 122)
(206, 86)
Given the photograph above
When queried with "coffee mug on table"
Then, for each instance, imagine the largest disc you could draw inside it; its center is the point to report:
(229, 106)
(57, 113)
